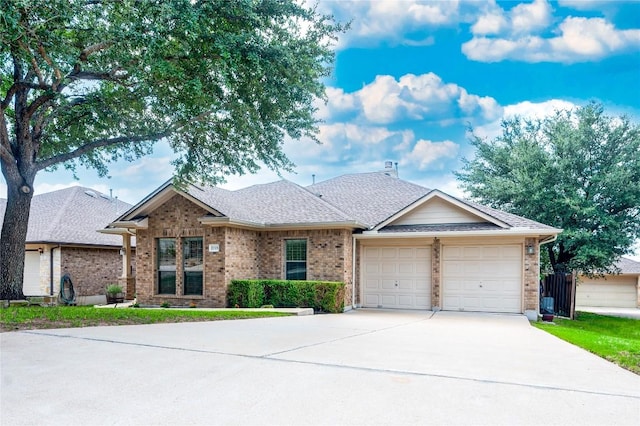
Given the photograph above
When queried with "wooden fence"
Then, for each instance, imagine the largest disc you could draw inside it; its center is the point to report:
(561, 288)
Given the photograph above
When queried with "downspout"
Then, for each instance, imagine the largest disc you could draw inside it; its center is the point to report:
(353, 273)
(51, 269)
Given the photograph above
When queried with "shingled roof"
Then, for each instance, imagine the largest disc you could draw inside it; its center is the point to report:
(72, 216)
(362, 200)
(280, 202)
(628, 266)
(369, 198)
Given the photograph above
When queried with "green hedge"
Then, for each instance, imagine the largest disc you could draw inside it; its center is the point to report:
(322, 296)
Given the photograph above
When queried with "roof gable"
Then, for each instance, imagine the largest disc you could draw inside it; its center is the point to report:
(435, 210)
(444, 205)
(280, 203)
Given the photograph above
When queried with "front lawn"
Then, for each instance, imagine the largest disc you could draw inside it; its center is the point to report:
(615, 339)
(37, 317)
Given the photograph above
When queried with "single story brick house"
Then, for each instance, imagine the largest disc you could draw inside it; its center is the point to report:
(394, 243)
(62, 238)
(613, 290)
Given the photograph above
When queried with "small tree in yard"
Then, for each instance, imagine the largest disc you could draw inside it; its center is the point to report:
(86, 82)
(578, 170)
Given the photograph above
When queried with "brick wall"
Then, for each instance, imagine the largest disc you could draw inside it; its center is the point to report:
(241, 247)
(435, 273)
(243, 254)
(178, 218)
(91, 269)
(531, 276)
(327, 253)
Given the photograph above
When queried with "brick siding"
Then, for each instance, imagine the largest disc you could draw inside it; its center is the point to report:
(531, 276)
(91, 269)
(436, 248)
(243, 254)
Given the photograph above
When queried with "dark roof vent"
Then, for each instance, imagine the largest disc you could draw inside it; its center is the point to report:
(91, 194)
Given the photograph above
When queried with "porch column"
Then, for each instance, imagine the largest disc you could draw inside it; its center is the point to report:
(638, 292)
(126, 281)
(126, 258)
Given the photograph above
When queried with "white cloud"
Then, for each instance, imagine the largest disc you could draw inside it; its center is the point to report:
(578, 39)
(525, 18)
(531, 17)
(414, 97)
(490, 23)
(426, 152)
(526, 109)
(395, 22)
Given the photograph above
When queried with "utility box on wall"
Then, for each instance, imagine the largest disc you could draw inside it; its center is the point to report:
(214, 248)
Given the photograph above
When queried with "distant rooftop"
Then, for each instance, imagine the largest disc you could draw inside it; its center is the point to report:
(72, 216)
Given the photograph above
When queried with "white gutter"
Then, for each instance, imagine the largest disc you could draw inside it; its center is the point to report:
(222, 221)
(440, 234)
(117, 231)
(353, 274)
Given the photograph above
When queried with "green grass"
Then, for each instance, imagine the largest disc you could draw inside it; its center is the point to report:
(615, 339)
(37, 317)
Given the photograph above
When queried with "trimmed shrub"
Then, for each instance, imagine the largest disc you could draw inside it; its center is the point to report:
(245, 294)
(322, 296)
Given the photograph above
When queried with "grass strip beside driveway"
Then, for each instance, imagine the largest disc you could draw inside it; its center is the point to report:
(38, 317)
(614, 339)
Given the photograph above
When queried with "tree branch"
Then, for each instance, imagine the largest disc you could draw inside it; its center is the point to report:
(47, 59)
(61, 158)
(94, 48)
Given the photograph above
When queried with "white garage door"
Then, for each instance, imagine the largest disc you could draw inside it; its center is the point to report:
(31, 281)
(397, 277)
(614, 292)
(482, 278)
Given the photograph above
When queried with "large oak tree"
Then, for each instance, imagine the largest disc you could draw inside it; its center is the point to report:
(88, 82)
(578, 170)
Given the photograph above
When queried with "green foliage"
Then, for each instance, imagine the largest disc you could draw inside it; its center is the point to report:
(86, 83)
(114, 289)
(223, 81)
(36, 317)
(576, 170)
(615, 339)
(322, 296)
(165, 305)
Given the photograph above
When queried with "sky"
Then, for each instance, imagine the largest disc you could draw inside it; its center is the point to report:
(411, 76)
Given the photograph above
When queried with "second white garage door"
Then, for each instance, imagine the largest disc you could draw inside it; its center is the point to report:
(614, 292)
(396, 277)
(482, 278)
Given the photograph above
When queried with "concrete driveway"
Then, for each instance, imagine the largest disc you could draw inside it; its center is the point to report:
(362, 367)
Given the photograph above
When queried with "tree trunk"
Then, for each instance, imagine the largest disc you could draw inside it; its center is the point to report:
(13, 237)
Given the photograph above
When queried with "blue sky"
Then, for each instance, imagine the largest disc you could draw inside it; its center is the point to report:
(409, 76)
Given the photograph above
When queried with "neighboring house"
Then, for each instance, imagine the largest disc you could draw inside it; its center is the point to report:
(62, 238)
(395, 244)
(612, 291)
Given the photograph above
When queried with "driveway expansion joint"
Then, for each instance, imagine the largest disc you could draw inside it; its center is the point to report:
(271, 357)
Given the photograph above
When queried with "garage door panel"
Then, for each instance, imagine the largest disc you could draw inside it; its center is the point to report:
(482, 278)
(371, 299)
(387, 253)
(614, 292)
(404, 277)
(372, 283)
(389, 300)
(388, 284)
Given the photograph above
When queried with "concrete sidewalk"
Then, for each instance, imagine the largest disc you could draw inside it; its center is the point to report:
(361, 367)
